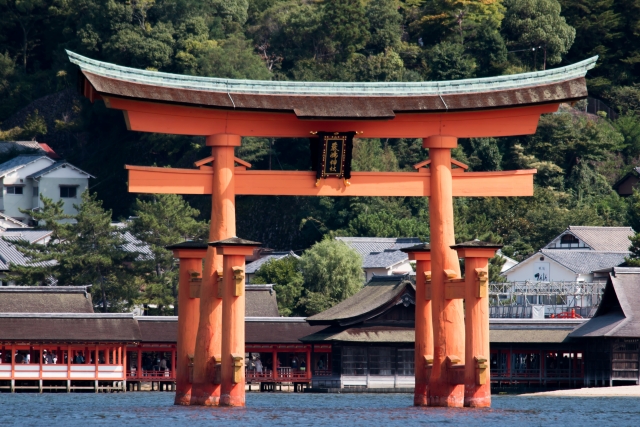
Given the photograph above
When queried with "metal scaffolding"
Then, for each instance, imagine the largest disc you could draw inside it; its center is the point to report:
(525, 299)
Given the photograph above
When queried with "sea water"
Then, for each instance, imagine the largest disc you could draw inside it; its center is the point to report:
(288, 409)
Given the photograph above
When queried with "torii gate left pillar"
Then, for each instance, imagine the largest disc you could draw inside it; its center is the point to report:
(206, 388)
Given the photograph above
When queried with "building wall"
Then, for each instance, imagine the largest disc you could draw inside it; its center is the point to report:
(400, 268)
(49, 186)
(555, 272)
(626, 188)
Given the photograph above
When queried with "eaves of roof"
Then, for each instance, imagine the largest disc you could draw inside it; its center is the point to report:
(55, 167)
(331, 100)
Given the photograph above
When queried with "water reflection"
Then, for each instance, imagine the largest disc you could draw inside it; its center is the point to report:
(280, 409)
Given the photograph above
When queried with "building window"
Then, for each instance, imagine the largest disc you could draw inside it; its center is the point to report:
(14, 189)
(354, 361)
(380, 361)
(569, 241)
(36, 191)
(67, 192)
(406, 360)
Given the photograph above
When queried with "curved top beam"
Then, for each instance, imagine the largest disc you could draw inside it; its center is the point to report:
(329, 100)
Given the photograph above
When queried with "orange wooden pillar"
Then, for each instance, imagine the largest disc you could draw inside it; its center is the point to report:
(421, 254)
(223, 226)
(190, 255)
(477, 383)
(234, 251)
(447, 314)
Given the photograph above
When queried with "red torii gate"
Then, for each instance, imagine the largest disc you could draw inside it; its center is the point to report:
(224, 110)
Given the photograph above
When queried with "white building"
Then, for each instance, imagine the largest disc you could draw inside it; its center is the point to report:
(575, 255)
(25, 177)
(382, 255)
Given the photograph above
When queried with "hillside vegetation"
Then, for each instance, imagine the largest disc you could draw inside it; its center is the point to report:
(578, 156)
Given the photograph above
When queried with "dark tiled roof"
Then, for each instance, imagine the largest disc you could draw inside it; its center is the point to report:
(500, 331)
(20, 162)
(385, 259)
(423, 247)
(45, 299)
(278, 330)
(160, 329)
(254, 266)
(234, 241)
(373, 297)
(282, 330)
(189, 244)
(476, 244)
(260, 301)
(365, 245)
(68, 327)
(619, 312)
(584, 261)
(56, 166)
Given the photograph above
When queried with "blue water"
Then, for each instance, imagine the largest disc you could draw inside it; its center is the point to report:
(285, 409)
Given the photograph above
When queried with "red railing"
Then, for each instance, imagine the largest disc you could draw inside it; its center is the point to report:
(283, 375)
(151, 374)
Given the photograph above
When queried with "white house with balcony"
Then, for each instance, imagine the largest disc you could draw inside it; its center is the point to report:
(25, 177)
(575, 255)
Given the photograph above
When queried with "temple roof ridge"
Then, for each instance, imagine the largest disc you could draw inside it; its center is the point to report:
(374, 89)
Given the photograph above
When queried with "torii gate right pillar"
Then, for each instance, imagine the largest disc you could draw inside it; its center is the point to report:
(448, 314)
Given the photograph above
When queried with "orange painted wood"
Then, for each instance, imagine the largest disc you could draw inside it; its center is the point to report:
(424, 334)
(476, 334)
(188, 317)
(223, 226)
(233, 341)
(183, 120)
(144, 179)
(447, 315)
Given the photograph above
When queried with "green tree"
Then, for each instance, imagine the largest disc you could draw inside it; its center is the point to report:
(346, 27)
(95, 255)
(285, 275)
(448, 61)
(533, 23)
(633, 210)
(633, 260)
(332, 272)
(385, 25)
(88, 251)
(164, 220)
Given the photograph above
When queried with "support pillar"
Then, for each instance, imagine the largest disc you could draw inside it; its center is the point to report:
(421, 254)
(234, 251)
(447, 314)
(190, 255)
(223, 226)
(477, 382)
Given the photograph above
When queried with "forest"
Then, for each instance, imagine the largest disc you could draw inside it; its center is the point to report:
(579, 156)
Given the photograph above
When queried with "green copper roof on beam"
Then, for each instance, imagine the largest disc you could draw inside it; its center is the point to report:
(267, 87)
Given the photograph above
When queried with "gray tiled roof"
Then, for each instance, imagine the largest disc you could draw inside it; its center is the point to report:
(6, 146)
(132, 244)
(606, 239)
(366, 245)
(55, 166)
(254, 266)
(19, 162)
(619, 313)
(384, 259)
(584, 261)
(31, 235)
(9, 254)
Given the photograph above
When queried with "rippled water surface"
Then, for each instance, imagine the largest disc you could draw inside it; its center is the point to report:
(280, 409)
